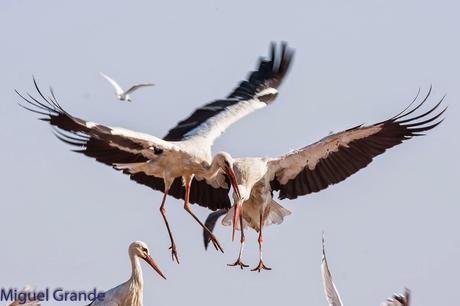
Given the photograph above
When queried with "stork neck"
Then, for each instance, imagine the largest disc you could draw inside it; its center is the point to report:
(208, 171)
(136, 275)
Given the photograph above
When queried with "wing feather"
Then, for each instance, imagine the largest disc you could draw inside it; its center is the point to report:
(260, 89)
(113, 146)
(338, 156)
(137, 86)
(118, 89)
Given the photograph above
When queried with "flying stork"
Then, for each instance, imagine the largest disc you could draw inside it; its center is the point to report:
(183, 157)
(312, 169)
(130, 293)
(332, 294)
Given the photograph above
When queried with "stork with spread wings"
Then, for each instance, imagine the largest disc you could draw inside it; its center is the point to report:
(314, 168)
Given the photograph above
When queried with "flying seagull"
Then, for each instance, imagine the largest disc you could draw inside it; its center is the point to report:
(130, 293)
(314, 168)
(180, 164)
(121, 94)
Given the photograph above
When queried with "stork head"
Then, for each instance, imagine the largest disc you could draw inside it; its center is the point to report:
(141, 250)
(225, 162)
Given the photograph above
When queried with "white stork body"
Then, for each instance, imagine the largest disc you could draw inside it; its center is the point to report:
(130, 293)
(124, 95)
(332, 294)
(313, 168)
(180, 164)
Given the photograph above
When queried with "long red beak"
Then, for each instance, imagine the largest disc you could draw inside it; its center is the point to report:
(154, 265)
(233, 181)
(236, 215)
(236, 218)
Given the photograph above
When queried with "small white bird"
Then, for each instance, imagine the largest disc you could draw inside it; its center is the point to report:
(122, 94)
(130, 293)
(333, 297)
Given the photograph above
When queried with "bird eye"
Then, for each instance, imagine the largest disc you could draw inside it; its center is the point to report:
(145, 250)
(227, 164)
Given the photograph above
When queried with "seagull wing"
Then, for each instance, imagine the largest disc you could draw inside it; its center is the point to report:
(338, 156)
(137, 86)
(118, 89)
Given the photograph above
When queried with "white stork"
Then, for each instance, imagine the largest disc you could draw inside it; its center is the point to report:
(130, 293)
(183, 157)
(332, 294)
(313, 168)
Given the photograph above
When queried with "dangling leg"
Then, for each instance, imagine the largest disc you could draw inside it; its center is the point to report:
(239, 262)
(215, 242)
(261, 265)
(163, 213)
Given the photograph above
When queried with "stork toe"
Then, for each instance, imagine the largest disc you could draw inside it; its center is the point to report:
(261, 266)
(238, 262)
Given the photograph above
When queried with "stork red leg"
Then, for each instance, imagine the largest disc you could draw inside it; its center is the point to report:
(213, 238)
(163, 213)
(261, 265)
(239, 262)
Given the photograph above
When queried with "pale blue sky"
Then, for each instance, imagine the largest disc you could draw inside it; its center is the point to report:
(68, 220)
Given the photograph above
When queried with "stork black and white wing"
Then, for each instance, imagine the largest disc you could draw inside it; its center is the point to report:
(260, 89)
(117, 146)
(338, 156)
(398, 299)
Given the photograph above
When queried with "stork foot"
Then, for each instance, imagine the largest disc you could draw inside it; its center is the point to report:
(261, 266)
(238, 262)
(215, 242)
(174, 252)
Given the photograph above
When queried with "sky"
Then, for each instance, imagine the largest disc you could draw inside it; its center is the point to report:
(66, 220)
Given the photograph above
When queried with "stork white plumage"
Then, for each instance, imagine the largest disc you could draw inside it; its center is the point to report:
(123, 95)
(313, 168)
(180, 164)
(130, 293)
(26, 301)
(332, 294)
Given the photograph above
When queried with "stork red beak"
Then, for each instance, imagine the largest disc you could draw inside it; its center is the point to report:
(154, 265)
(236, 215)
(231, 175)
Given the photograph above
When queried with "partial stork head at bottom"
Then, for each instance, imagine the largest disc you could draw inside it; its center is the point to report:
(141, 250)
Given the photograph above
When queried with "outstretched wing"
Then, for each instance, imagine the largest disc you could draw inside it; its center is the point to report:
(260, 89)
(113, 146)
(338, 156)
(332, 295)
(137, 86)
(118, 89)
